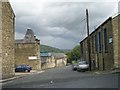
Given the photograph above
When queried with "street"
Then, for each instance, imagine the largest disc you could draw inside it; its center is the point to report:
(64, 77)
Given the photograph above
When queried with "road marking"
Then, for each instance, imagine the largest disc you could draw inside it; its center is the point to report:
(51, 82)
(97, 72)
(42, 85)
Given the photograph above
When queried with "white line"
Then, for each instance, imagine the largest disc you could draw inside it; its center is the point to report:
(97, 72)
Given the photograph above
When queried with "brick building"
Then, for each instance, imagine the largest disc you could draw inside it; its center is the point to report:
(104, 45)
(27, 51)
(6, 40)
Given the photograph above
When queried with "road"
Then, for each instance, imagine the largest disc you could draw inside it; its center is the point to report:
(64, 77)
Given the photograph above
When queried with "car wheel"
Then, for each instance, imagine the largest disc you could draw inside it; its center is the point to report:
(87, 69)
(73, 69)
(78, 70)
(83, 70)
(28, 70)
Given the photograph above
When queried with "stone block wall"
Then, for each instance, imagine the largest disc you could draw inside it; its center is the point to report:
(119, 39)
(49, 62)
(61, 62)
(24, 52)
(101, 57)
(119, 35)
(0, 39)
(7, 40)
(116, 39)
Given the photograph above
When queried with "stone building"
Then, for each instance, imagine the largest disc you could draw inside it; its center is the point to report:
(27, 51)
(7, 17)
(104, 42)
(60, 59)
(47, 60)
(51, 60)
(116, 39)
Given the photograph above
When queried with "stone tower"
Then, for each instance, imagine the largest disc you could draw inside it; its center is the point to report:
(29, 36)
(27, 51)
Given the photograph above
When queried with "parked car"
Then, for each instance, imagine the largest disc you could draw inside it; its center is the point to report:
(82, 66)
(74, 66)
(23, 68)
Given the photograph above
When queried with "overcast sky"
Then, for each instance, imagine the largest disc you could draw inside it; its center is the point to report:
(60, 24)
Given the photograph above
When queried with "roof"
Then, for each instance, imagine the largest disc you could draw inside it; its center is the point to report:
(109, 19)
(59, 55)
(28, 38)
(19, 41)
(45, 54)
(29, 33)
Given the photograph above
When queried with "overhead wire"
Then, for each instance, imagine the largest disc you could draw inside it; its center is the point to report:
(80, 23)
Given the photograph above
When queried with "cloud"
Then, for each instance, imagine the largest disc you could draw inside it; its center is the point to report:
(60, 24)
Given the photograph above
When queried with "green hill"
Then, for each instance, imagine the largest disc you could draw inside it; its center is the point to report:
(45, 48)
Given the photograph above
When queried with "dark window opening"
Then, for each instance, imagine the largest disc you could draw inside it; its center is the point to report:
(100, 42)
(96, 43)
(105, 39)
(92, 44)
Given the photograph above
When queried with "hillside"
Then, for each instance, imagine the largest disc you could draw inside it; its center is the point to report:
(45, 48)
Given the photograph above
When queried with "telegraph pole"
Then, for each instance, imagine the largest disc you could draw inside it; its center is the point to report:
(88, 40)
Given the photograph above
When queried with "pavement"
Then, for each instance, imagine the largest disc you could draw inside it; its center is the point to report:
(20, 75)
(106, 71)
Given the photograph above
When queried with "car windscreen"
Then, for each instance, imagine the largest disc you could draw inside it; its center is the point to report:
(21, 66)
(83, 62)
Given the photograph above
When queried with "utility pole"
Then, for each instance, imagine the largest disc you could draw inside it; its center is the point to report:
(88, 40)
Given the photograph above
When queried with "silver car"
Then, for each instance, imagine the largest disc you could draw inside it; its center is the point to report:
(82, 66)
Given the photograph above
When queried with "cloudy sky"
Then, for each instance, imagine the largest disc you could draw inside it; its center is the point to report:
(62, 23)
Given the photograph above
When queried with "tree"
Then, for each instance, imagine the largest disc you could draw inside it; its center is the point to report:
(74, 55)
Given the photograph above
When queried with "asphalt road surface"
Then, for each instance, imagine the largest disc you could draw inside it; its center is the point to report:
(64, 77)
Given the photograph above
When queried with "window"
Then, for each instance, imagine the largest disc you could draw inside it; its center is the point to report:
(84, 49)
(96, 43)
(92, 44)
(105, 39)
(81, 49)
(100, 41)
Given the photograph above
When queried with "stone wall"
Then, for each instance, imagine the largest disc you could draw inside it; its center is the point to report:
(103, 56)
(47, 62)
(51, 62)
(116, 39)
(108, 54)
(28, 53)
(7, 40)
(0, 39)
(61, 62)
(119, 34)
(119, 40)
